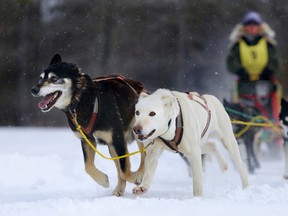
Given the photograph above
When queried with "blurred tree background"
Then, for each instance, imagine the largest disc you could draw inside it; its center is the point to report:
(177, 44)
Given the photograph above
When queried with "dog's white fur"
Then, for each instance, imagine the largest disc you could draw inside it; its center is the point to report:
(285, 176)
(65, 87)
(153, 112)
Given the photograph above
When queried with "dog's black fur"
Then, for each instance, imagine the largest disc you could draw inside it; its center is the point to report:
(247, 137)
(113, 126)
(283, 118)
(283, 115)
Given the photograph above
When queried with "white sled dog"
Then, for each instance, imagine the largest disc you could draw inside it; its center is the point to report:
(187, 123)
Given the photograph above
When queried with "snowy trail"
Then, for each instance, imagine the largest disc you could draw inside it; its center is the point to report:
(42, 173)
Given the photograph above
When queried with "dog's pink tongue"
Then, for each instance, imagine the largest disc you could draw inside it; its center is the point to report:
(45, 101)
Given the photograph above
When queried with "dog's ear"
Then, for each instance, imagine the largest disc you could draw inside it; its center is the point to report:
(56, 59)
(283, 102)
(143, 95)
(171, 103)
(225, 102)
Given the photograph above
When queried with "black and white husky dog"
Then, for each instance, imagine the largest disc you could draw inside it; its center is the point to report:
(104, 107)
(283, 117)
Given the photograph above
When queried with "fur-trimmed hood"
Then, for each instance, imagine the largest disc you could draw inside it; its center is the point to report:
(238, 32)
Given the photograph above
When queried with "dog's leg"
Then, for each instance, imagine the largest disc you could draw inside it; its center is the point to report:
(151, 161)
(120, 148)
(255, 145)
(195, 160)
(121, 185)
(140, 172)
(225, 132)
(89, 156)
(231, 144)
(251, 156)
(249, 152)
(126, 173)
(188, 164)
(286, 159)
(210, 148)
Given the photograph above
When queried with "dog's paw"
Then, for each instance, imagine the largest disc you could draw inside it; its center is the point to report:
(118, 192)
(140, 190)
(134, 178)
(120, 188)
(104, 181)
(138, 179)
(98, 176)
(225, 167)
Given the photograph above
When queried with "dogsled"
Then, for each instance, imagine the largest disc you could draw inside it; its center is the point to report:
(264, 96)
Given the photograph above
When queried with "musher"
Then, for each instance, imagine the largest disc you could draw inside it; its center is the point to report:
(252, 57)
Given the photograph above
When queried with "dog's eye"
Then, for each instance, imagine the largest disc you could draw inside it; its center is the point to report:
(54, 78)
(41, 78)
(137, 113)
(152, 113)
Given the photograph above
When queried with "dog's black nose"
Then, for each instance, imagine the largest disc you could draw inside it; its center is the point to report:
(35, 90)
(137, 129)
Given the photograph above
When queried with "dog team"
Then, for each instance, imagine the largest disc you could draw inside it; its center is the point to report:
(115, 111)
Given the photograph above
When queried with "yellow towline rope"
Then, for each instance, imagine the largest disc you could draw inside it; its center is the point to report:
(253, 123)
(240, 133)
(78, 128)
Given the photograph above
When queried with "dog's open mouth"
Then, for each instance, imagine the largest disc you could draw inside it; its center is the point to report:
(49, 101)
(142, 137)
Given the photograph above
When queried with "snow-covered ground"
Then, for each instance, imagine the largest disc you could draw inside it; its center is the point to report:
(42, 173)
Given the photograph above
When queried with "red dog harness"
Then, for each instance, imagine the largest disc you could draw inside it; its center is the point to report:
(205, 106)
(87, 130)
(173, 144)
